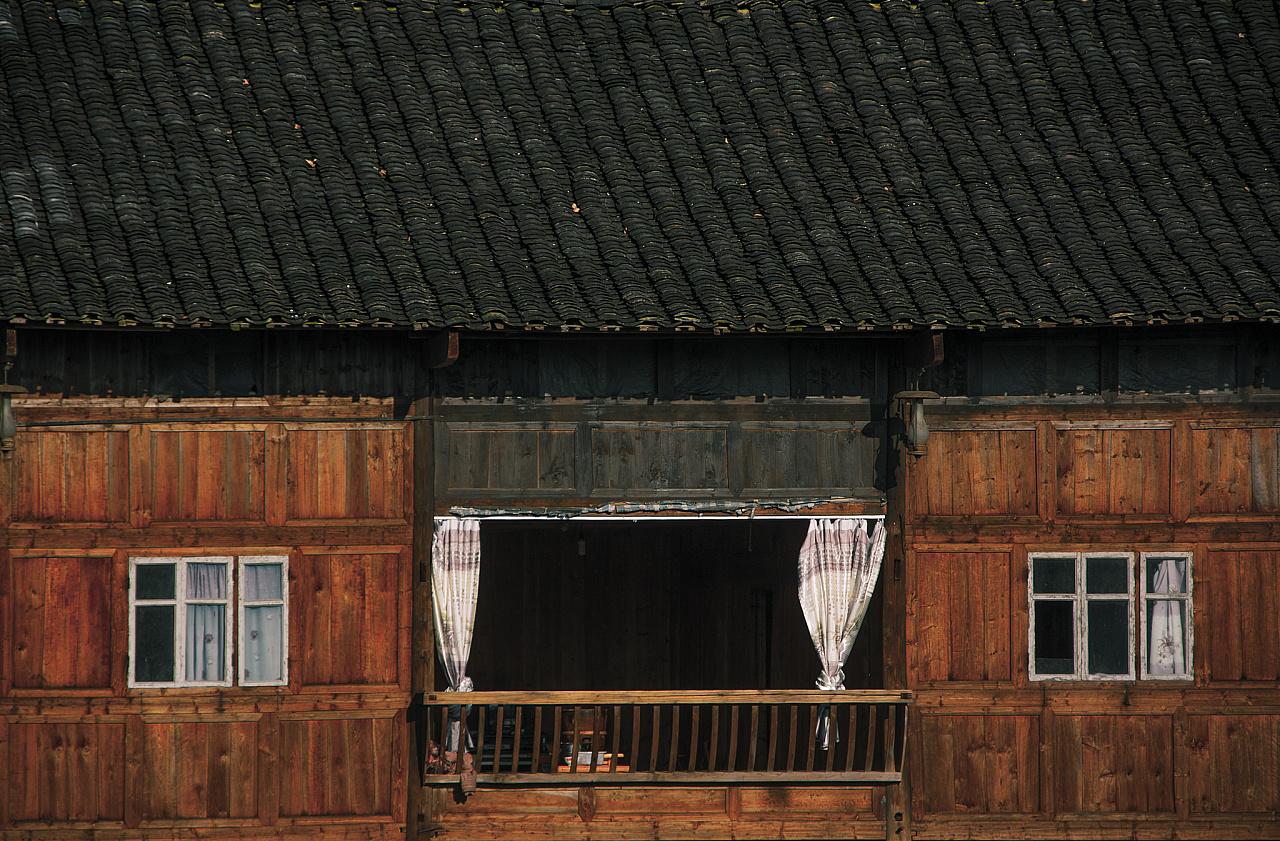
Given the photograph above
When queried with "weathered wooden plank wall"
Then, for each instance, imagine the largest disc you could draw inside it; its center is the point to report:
(997, 754)
(573, 455)
(324, 482)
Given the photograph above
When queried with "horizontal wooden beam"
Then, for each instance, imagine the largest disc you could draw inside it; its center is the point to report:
(693, 696)
(675, 777)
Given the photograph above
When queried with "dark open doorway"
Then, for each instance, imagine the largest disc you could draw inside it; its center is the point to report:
(649, 605)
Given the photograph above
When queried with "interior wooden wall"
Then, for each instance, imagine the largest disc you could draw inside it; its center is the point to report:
(996, 754)
(327, 482)
(698, 605)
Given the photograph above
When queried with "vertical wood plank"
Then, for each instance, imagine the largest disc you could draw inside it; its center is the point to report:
(134, 784)
(269, 772)
(10, 772)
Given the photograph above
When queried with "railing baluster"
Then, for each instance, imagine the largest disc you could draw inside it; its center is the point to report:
(833, 717)
(693, 738)
(515, 749)
(653, 737)
(573, 746)
(754, 744)
(635, 738)
(811, 742)
(712, 752)
(480, 737)
(558, 726)
(675, 737)
(497, 739)
(851, 748)
(732, 763)
(890, 739)
(444, 731)
(901, 753)
(773, 738)
(617, 734)
(871, 738)
(791, 742)
(595, 734)
(535, 764)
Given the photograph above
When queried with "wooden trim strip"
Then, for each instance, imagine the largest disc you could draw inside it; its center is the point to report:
(693, 696)
(661, 777)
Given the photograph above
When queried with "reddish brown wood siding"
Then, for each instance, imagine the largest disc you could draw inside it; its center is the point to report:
(68, 476)
(65, 771)
(960, 603)
(983, 471)
(1240, 598)
(79, 749)
(208, 476)
(996, 754)
(346, 604)
(62, 631)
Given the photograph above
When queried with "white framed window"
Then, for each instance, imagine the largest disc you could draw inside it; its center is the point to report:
(1168, 628)
(1082, 616)
(179, 619)
(263, 620)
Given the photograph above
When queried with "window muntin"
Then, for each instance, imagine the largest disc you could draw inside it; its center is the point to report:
(264, 627)
(178, 622)
(1167, 633)
(1082, 623)
(181, 623)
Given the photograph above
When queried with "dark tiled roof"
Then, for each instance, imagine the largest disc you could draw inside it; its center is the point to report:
(773, 163)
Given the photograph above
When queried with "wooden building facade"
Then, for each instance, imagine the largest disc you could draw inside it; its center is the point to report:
(632, 294)
(660, 626)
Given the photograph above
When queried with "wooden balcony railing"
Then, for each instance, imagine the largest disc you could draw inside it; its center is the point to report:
(578, 738)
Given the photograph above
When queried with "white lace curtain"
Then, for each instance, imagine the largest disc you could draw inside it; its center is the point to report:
(206, 641)
(1166, 643)
(839, 565)
(455, 585)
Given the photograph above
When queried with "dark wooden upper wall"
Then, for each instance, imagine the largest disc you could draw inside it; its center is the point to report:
(371, 364)
(1154, 360)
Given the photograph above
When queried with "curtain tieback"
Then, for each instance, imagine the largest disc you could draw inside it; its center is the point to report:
(832, 683)
(464, 685)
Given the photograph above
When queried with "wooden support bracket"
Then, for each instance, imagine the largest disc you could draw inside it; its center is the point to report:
(442, 348)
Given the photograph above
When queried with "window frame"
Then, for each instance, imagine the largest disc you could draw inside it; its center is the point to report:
(242, 602)
(1080, 614)
(1188, 632)
(179, 601)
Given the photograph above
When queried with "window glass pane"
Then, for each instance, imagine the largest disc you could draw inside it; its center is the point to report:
(1167, 637)
(155, 581)
(1055, 638)
(153, 643)
(262, 582)
(1054, 575)
(263, 655)
(206, 642)
(1106, 575)
(206, 581)
(1108, 637)
(1166, 575)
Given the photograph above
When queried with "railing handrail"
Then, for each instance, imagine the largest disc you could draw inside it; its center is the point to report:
(664, 696)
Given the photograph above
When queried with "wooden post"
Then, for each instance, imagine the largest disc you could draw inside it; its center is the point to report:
(919, 353)
(418, 816)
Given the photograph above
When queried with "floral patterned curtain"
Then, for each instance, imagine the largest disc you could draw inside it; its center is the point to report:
(839, 565)
(455, 584)
(1166, 645)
